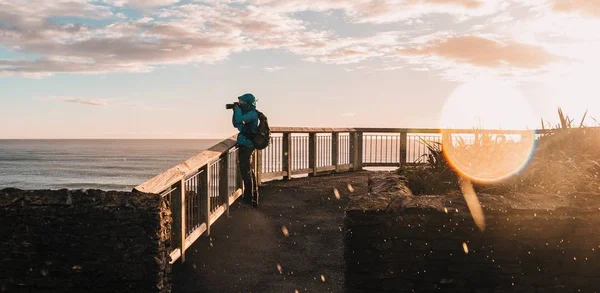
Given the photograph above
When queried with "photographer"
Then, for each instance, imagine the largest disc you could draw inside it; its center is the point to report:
(245, 119)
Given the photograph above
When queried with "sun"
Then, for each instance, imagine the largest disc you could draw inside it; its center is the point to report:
(575, 94)
(489, 105)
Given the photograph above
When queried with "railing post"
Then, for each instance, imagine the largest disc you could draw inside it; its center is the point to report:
(446, 140)
(286, 155)
(352, 155)
(206, 201)
(224, 181)
(182, 219)
(258, 163)
(360, 150)
(356, 150)
(334, 150)
(238, 173)
(403, 143)
(312, 153)
(176, 214)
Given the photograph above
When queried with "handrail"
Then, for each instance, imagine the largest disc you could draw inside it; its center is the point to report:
(399, 130)
(171, 176)
(453, 130)
(310, 129)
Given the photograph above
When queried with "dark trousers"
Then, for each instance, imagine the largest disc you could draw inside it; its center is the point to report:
(248, 176)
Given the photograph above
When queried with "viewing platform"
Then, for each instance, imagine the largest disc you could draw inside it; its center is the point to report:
(202, 188)
(325, 223)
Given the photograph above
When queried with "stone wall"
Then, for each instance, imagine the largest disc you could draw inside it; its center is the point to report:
(397, 242)
(83, 241)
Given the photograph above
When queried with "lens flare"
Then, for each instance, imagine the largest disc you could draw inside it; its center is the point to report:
(285, 231)
(336, 193)
(484, 132)
(488, 159)
(473, 203)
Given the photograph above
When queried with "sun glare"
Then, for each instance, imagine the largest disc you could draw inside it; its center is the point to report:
(487, 104)
(490, 105)
(576, 94)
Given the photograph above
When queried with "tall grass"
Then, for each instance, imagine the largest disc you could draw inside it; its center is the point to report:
(565, 160)
(435, 177)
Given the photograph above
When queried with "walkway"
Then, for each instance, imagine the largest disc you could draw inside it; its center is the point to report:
(244, 250)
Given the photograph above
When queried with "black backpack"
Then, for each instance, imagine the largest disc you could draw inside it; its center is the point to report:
(262, 137)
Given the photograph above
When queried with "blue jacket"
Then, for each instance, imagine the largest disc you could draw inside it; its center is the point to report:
(245, 119)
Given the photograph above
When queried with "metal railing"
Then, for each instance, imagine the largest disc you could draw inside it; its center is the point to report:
(201, 189)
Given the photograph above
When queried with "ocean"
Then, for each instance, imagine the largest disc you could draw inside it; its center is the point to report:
(122, 164)
(107, 164)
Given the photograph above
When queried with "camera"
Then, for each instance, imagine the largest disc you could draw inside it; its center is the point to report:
(232, 105)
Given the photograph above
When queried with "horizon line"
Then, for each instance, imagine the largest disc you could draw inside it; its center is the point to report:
(110, 138)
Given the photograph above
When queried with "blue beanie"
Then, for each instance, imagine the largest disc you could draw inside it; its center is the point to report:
(248, 98)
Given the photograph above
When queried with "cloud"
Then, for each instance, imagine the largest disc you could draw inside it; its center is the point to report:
(589, 8)
(122, 46)
(187, 33)
(470, 4)
(585, 7)
(211, 31)
(48, 66)
(192, 33)
(389, 68)
(129, 104)
(83, 101)
(345, 56)
(273, 68)
(140, 3)
(327, 48)
(384, 11)
(421, 69)
(484, 52)
(348, 114)
(19, 13)
(145, 19)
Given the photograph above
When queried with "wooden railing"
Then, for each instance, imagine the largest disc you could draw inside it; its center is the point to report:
(201, 189)
(198, 190)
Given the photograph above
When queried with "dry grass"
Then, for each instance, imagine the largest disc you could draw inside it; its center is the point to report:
(436, 177)
(564, 161)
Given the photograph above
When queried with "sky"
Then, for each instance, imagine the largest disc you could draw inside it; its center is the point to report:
(166, 68)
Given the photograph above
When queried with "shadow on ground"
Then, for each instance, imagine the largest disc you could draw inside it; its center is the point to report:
(243, 251)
